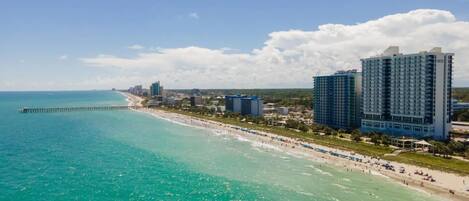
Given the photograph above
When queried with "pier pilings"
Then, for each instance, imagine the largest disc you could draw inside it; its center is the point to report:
(74, 109)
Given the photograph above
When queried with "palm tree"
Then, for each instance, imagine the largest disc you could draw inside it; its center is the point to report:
(386, 140)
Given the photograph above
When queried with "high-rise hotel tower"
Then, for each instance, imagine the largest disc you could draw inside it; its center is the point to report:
(336, 101)
(155, 89)
(408, 94)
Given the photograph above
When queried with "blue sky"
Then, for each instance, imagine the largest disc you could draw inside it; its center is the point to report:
(42, 43)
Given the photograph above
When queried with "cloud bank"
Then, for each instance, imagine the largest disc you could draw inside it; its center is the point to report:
(290, 58)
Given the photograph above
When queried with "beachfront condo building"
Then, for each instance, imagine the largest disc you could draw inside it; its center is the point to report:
(408, 94)
(337, 98)
(233, 103)
(196, 101)
(155, 89)
(244, 105)
(136, 90)
(252, 105)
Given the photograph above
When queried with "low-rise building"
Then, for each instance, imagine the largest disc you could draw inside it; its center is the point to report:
(457, 106)
(221, 108)
(269, 108)
(282, 110)
(172, 101)
(155, 101)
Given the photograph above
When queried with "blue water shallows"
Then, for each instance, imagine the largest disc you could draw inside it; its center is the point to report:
(126, 155)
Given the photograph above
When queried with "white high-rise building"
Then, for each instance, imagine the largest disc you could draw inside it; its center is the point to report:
(408, 94)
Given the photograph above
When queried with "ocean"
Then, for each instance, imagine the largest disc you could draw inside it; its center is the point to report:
(128, 155)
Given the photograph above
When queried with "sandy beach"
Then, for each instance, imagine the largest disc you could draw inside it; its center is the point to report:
(444, 183)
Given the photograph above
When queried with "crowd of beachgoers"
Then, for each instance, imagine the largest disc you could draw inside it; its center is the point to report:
(446, 185)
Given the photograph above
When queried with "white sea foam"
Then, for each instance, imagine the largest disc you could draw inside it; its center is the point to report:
(340, 186)
(284, 157)
(257, 149)
(174, 121)
(334, 198)
(379, 174)
(266, 146)
(323, 172)
(305, 193)
(219, 132)
(242, 139)
(294, 154)
(248, 156)
(306, 174)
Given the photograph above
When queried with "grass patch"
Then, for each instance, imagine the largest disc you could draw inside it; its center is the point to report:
(432, 162)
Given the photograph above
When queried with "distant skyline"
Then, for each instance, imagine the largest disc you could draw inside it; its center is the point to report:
(82, 45)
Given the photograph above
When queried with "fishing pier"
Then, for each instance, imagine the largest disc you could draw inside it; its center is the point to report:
(75, 109)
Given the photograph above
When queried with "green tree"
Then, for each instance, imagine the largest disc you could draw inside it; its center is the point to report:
(356, 137)
(315, 128)
(375, 138)
(457, 147)
(213, 110)
(328, 130)
(441, 148)
(385, 140)
(462, 115)
(303, 127)
(356, 132)
(290, 123)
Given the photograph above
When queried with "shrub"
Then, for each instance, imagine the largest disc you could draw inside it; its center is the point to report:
(303, 127)
(356, 137)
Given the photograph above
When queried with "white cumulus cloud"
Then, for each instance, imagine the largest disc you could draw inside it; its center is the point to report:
(193, 15)
(136, 47)
(290, 58)
(63, 57)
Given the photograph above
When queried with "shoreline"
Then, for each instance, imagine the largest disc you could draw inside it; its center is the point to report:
(342, 159)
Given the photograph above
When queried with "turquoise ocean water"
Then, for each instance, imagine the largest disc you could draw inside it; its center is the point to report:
(126, 155)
